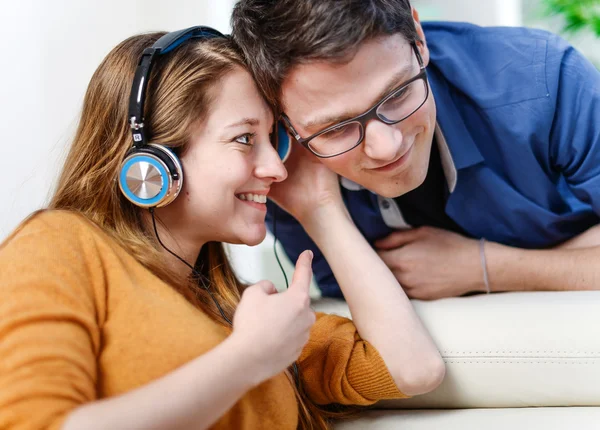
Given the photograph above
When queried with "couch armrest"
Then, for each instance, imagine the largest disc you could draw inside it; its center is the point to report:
(584, 418)
(510, 349)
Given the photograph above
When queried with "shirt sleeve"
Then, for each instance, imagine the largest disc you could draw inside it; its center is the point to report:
(337, 366)
(295, 240)
(49, 332)
(575, 131)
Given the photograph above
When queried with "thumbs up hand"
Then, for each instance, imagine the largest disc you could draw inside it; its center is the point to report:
(274, 327)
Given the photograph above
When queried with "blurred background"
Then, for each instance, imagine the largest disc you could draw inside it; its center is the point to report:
(51, 49)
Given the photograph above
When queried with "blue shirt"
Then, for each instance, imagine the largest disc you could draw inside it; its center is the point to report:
(518, 114)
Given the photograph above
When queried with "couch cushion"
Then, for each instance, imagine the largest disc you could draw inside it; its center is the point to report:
(477, 419)
(510, 349)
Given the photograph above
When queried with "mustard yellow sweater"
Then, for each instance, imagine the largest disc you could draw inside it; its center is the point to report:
(81, 319)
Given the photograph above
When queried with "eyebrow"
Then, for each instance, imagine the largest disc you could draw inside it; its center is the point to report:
(400, 75)
(244, 121)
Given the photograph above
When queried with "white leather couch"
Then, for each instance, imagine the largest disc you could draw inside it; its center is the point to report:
(513, 361)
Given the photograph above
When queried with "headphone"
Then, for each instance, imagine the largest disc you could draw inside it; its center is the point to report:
(151, 174)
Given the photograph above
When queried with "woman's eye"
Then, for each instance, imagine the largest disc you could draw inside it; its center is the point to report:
(245, 139)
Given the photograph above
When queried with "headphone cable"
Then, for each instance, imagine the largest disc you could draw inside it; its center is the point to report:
(287, 285)
(194, 271)
(207, 289)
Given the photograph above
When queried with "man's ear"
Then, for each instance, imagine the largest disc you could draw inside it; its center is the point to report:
(423, 45)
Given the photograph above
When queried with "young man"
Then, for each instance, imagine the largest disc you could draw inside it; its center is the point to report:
(469, 156)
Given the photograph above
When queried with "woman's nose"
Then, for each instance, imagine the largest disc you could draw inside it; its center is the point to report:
(269, 165)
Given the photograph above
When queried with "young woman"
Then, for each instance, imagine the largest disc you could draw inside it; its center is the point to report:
(115, 312)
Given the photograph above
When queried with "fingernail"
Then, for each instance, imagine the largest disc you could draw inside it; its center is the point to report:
(310, 255)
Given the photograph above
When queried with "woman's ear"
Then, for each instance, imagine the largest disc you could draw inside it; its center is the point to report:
(424, 51)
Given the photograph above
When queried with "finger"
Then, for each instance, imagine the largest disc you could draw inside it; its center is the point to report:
(401, 278)
(398, 238)
(297, 154)
(392, 259)
(265, 286)
(303, 273)
(422, 294)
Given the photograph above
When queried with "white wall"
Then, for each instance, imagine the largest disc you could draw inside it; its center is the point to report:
(49, 55)
(51, 49)
(481, 12)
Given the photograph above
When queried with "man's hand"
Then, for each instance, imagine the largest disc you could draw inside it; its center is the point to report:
(431, 263)
(309, 186)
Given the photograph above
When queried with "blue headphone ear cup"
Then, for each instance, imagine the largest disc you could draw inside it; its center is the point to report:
(284, 145)
(151, 176)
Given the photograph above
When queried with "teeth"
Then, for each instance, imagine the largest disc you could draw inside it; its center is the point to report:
(258, 198)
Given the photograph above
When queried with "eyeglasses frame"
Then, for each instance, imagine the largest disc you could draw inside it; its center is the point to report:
(365, 117)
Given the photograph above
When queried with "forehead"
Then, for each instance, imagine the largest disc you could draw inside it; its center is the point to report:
(325, 88)
(235, 95)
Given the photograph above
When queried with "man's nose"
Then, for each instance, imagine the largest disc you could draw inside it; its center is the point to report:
(382, 141)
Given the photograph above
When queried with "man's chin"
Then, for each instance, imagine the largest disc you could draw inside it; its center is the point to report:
(396, 187)
(392, 193)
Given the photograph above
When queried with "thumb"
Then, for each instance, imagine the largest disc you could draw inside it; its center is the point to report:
(397, 238)
(303, 272)
(265, 286)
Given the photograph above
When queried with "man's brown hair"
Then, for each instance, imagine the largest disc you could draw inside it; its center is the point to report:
(276, 35)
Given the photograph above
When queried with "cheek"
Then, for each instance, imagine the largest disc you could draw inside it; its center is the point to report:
(219, 173)
(423, 119)
(428, 110)
(345, 164)
(236, 174)
(202, 187)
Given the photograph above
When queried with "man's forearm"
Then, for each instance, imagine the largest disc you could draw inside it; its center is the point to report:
(573, 265)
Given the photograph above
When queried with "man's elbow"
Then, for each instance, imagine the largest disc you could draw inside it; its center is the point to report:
(424, 377)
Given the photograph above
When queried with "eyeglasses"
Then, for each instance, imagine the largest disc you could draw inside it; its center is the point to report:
(396, 106)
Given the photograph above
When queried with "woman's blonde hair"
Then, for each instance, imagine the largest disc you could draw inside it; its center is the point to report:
(177, 100)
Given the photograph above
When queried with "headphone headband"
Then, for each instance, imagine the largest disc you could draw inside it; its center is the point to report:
(151, 175)
(164, 45)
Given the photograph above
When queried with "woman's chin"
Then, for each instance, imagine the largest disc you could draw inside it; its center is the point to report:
(252, 237)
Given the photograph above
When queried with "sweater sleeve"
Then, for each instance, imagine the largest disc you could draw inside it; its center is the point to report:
(337, 366)
(49, 328)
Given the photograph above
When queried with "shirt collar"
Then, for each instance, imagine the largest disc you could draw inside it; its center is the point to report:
(463, 149)
(446, 157)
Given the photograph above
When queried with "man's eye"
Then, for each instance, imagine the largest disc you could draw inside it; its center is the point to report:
(245, 139)
(400, 94)
(335, 132)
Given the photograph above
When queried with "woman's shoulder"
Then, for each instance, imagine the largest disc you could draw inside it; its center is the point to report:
(53, 220)
(53, 230)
